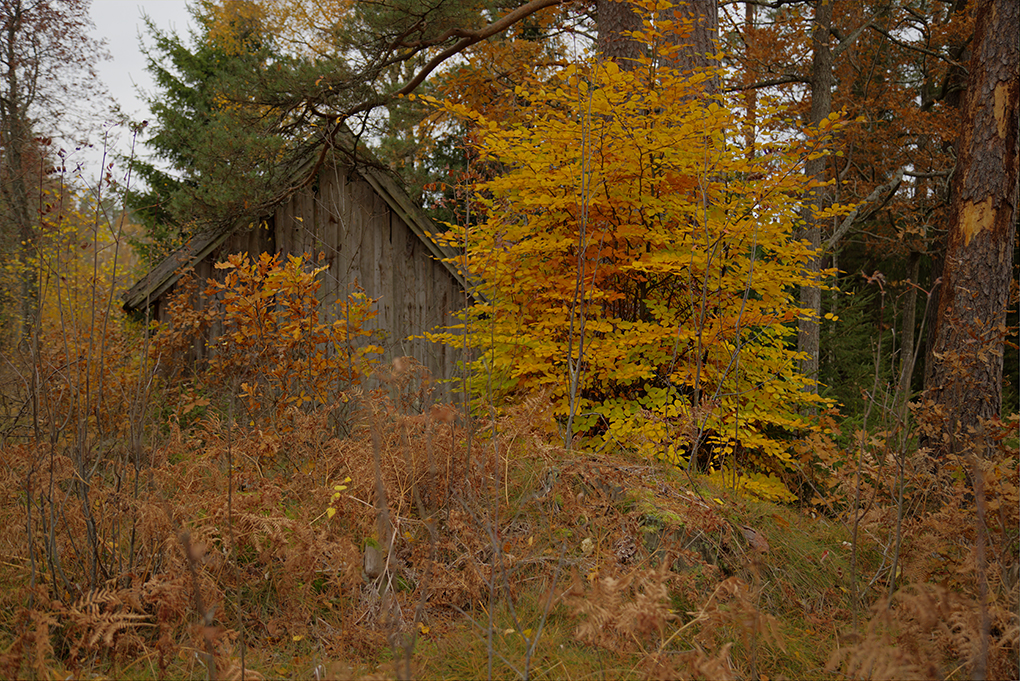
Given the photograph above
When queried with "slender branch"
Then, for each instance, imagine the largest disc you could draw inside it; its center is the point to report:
(916, 48)
(776, 4)
(849, 40)
(889, 187)
(782, 80)
(928, 176)
(469, 38)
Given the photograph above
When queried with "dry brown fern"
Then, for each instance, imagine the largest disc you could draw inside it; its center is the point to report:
(729, 614)
(925, 628)
(39, 639)
(99, 617)
(621, 612)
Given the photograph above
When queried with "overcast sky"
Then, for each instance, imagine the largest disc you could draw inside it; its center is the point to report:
(119, 22)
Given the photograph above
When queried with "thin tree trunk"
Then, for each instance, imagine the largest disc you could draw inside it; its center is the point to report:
(819, 198)
(909, 322)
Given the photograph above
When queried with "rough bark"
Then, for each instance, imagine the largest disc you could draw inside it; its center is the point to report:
(700, 44)
(750, 94)
(950, 90)
(821, 107)
(615, 18)
(964, 383)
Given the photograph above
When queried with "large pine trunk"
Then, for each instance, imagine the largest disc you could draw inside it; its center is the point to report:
(615, 19)
(964, 381)
(618, 17)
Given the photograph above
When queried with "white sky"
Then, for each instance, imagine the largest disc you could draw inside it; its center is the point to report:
(119, 22)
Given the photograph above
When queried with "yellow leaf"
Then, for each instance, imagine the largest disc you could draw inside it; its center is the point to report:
(649, 175)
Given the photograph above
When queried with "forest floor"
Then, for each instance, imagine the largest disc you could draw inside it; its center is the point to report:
(246, 553)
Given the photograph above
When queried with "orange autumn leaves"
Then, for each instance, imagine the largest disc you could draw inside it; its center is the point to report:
(279, 343)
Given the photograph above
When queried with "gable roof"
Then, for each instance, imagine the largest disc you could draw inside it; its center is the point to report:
(164, 275)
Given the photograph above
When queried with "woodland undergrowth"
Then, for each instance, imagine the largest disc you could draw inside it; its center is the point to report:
(215, 554)
(332, 519)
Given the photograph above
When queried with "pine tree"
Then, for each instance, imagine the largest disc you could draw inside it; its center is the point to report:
(222, 158)
(965, 381)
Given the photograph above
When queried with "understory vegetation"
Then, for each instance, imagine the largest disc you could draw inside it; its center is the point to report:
(167, 523)
(691, 438)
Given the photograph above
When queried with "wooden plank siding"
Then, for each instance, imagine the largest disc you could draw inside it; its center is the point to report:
(367, 233)
(366, 244)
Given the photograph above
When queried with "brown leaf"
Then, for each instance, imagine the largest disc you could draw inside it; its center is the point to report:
(755, 539)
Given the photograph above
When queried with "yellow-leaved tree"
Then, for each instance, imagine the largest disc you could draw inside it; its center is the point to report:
(636, 260)
(80, 360)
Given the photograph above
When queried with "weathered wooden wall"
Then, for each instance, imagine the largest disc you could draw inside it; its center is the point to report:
(365, 243)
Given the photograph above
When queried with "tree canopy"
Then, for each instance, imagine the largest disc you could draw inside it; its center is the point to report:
(263, 86)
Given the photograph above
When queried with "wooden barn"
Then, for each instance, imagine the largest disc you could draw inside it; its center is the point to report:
(369, 233)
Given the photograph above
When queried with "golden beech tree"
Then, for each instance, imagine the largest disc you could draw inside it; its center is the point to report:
(276, 344)
(639, 265)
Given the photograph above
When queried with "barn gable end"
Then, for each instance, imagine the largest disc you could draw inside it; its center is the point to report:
(369, 234)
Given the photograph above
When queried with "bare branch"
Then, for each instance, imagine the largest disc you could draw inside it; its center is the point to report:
(928, 176)
(889, 187)
(916, 48)
(782, 80)
(469, 38)
(776, 4)
(849, 40)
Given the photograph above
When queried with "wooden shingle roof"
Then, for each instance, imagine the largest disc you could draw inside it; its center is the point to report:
(164, 275)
